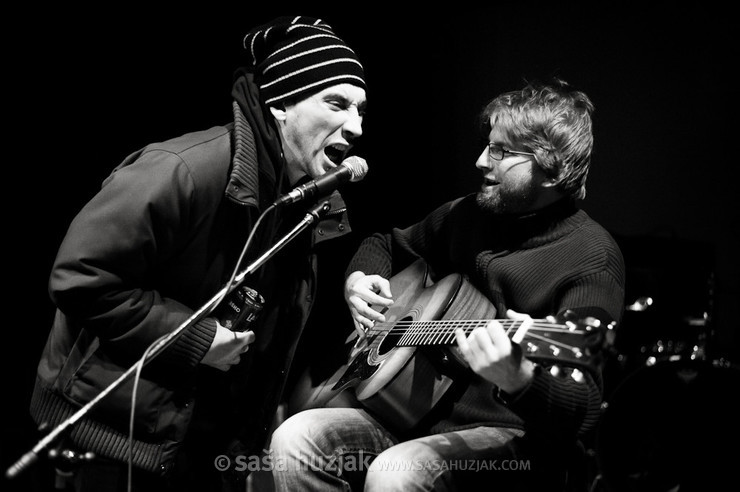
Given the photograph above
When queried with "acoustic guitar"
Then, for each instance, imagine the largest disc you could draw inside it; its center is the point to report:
(407, 364)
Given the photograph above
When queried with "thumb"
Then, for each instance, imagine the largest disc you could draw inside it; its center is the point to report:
(245, 337)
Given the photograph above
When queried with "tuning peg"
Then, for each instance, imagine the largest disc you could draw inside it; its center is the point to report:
(569, 314)
(640, 304)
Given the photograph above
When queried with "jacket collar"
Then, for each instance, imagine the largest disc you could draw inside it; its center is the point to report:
(244, 182)
(258, 166)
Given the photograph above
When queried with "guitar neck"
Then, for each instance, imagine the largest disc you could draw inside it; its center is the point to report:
(543, 339)
(442, 332)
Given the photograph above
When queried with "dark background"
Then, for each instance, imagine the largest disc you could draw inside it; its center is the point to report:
(86, 88)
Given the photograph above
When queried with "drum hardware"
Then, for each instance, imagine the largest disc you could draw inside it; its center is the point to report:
(667, 425)
(668, 413)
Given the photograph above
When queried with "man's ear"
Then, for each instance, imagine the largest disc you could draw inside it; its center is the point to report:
(279, 113)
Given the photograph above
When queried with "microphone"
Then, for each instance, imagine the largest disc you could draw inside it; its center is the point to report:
(353, 169)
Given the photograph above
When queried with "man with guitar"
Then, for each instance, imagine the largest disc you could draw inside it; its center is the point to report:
(439, 394)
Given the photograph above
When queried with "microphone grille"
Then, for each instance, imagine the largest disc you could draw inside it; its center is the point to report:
(357, 166)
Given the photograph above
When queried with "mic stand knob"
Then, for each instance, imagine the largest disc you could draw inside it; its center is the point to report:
(66, 463)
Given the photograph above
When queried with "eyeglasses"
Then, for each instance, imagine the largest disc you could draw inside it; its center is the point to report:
(497, 151)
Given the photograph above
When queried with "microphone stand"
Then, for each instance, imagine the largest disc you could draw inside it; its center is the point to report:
(31, 456)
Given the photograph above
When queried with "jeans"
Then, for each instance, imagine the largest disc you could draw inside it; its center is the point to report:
(341, 449)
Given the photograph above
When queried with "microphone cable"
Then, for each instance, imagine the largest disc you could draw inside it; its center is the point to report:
(143, 359)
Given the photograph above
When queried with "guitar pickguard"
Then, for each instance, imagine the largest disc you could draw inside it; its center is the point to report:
(358, 369)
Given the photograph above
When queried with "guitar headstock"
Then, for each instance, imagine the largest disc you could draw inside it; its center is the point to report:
(567, 339)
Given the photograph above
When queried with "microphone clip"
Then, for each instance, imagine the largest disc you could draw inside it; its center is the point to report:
(318, 211)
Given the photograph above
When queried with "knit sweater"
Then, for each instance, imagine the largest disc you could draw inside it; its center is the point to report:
(540, 264)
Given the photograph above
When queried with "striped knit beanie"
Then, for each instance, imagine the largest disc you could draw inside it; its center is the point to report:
(299, 56)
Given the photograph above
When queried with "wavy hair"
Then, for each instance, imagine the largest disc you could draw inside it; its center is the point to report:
(553, 121)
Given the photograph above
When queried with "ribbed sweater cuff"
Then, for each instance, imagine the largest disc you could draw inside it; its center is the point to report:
(90, 435)
(191, 346)
(371, 258)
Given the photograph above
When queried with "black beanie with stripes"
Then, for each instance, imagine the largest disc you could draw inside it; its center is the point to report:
(294, 57)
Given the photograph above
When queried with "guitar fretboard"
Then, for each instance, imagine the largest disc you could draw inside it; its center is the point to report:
(442, 332)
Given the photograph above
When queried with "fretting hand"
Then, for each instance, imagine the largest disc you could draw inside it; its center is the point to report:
(490, 354)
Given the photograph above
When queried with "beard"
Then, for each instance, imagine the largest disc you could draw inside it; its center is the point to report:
(507, 198)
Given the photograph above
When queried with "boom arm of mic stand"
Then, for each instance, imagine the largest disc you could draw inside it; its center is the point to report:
(31, 456)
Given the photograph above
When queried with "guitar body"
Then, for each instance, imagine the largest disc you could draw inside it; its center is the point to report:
(409, 363)
(403, 384)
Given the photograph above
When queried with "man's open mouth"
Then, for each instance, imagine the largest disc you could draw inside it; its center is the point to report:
(335, 153)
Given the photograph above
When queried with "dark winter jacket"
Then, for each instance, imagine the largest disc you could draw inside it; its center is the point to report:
(157, 242)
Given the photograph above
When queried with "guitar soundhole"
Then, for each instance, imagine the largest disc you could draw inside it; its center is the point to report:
(391, 339)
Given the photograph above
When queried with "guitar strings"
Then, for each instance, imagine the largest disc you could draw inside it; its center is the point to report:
(412, 331)
(470, 325)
